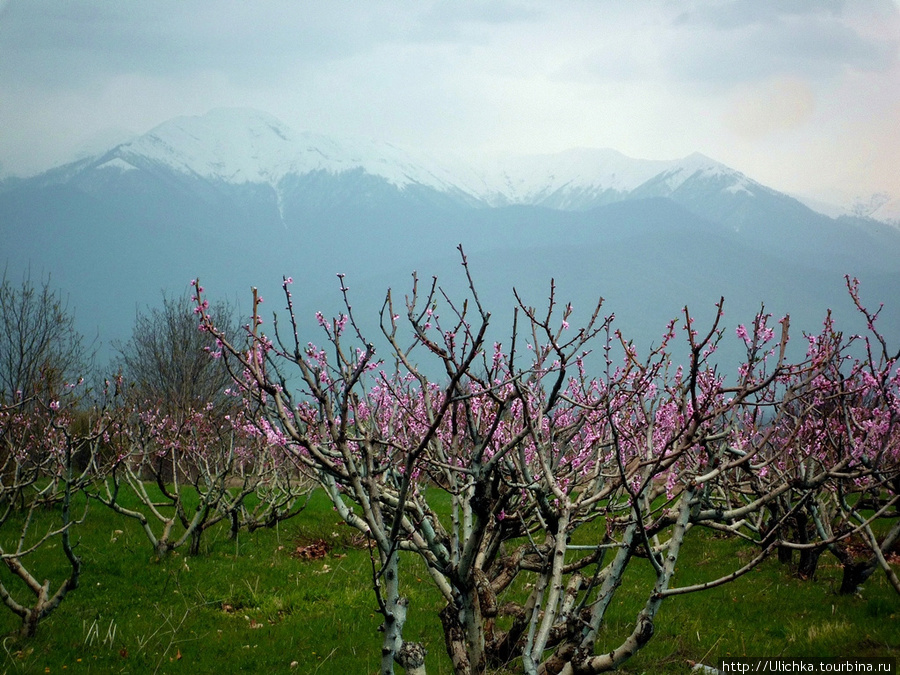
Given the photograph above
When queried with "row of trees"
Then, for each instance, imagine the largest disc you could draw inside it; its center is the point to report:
(533, 452)
(161, 441)
(538, 441)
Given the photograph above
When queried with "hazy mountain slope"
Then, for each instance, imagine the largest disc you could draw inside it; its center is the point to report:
(238, 199)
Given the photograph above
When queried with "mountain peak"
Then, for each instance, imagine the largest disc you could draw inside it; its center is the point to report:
(231, 144)
(238, 145)
(696, 166)
(243, 145)
(229, 120)
(569, 179)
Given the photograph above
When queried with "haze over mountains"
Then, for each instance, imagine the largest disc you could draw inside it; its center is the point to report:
(239, 199)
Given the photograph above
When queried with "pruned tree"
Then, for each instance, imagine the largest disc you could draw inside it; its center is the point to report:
(50, 445)
(49, 434)
(186, 448)
(531, 450)
(193, 470)
(847, 420)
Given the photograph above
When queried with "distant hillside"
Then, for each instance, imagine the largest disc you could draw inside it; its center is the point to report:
(239, 199)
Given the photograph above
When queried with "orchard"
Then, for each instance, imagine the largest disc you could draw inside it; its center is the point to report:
(526, 468)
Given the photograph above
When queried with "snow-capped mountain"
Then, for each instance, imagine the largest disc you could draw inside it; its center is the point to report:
(247, 146)
(568, 180)
(233, 166)
(879, 206)
(238, 198)
(239, 146)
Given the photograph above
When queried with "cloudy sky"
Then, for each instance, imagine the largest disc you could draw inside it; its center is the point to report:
(803, 95)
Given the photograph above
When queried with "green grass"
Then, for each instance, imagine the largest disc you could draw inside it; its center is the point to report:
(252, 606)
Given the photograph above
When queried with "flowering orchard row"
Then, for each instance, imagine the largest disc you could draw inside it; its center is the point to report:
(529, 447)
(177, 471)
(536, 445)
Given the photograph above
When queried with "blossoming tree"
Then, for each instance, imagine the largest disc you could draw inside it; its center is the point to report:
(49, 447)
(186, 448)
(839, 453)
(557, 481)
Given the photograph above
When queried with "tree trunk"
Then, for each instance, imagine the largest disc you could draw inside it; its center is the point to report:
(464, 625)
(410, 655)
(412, 658)
(785, 555)
(194, 548)
(162, 548)
(809, 562)
(855, 574)
(29, 623)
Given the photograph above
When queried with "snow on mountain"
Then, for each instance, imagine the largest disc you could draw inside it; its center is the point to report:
(117, 163)
(693, 169)
(567, 178)
(879, 206)
(583, 178)
(889, 212)
(697, 165)
(236, 145)
(247, 146)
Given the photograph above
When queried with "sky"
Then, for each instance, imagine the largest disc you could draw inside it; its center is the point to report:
(801, 95)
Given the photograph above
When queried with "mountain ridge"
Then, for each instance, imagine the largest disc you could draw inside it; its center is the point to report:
(238, 145)
(246, 145)
(235, 203)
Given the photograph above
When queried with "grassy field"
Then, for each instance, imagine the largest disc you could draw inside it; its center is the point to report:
(256, 606)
